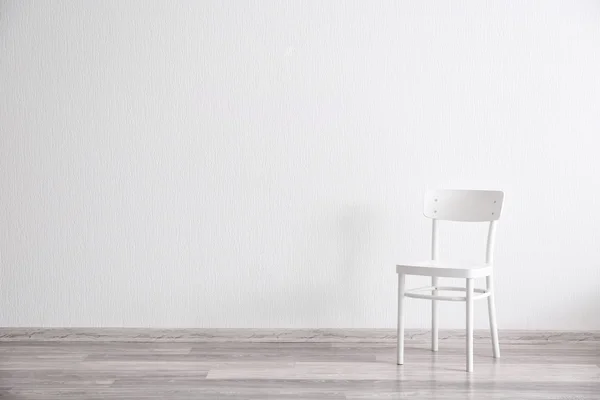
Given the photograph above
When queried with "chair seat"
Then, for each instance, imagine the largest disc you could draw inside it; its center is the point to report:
(444, 269)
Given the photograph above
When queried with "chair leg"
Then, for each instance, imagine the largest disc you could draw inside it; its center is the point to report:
(434, 316)
(469, 324)
(400, 340)
(492, 316)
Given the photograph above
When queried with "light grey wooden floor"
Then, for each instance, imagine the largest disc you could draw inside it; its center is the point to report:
(235, 370)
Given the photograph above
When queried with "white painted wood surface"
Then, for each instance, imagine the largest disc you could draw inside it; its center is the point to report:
(434, 283)
(464, 206)
(400, 336)
(470, 324)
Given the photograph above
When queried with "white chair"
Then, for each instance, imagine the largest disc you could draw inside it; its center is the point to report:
(454, 205)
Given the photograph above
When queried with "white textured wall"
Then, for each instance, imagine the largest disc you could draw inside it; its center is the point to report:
(261, 164)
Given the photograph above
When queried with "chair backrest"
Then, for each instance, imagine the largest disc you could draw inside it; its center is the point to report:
(466, 206)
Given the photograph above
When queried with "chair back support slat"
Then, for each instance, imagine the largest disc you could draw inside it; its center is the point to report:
(466, 206)
(489, 249)
(463, 205)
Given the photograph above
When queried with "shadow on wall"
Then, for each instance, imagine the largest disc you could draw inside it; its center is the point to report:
(2, 6)
(590, 309)
(337, 257)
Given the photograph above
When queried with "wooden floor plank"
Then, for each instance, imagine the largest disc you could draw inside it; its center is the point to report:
(334, 370)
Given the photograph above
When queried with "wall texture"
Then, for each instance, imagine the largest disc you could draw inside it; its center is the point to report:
(262, 164)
